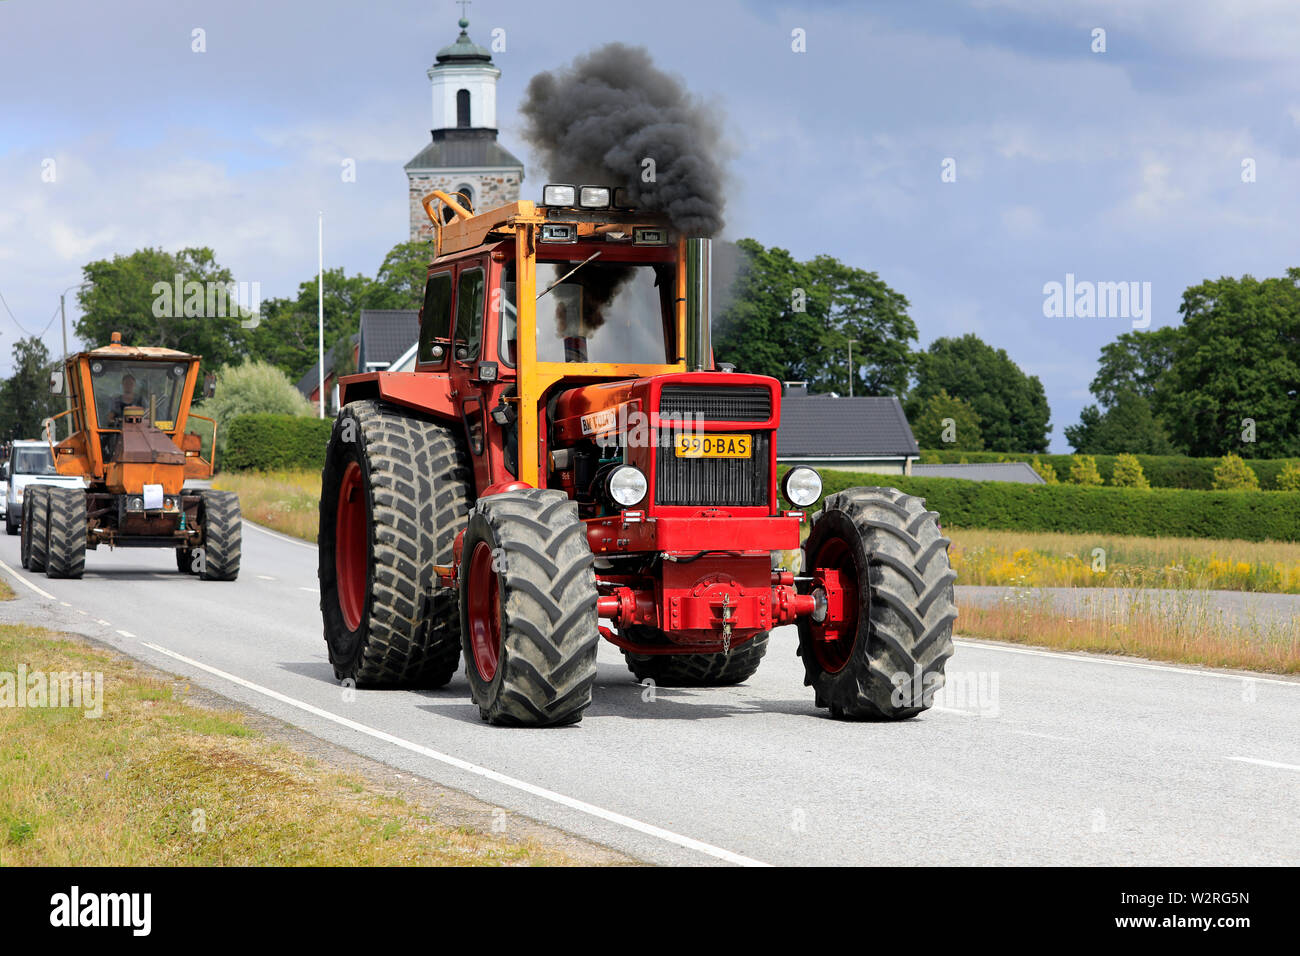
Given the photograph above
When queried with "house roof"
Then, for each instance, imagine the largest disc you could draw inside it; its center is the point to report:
(385, 335)
(822, 426)
(474, 148)
(311, 378)
(1017, 471)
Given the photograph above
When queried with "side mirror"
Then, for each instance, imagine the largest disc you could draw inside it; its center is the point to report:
(56, 382)
(209, 384)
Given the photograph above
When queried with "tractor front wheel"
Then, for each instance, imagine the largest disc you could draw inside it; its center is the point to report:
(528, 609)
(36, 520)
(66, 547)
(879, 556)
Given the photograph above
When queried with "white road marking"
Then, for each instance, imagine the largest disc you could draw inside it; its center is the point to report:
(312, 590)
(1030, 733)
(104, 622)
(1096, 659)
(599, 812)
(64, 603)
(23, 580)
(276, 534)
(126, 633)
(266, 577)
(83, 613)
(1266, 763)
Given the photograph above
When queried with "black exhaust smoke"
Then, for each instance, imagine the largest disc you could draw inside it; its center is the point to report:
(601, 119)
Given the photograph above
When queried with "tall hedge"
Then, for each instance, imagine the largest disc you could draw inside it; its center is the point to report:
(264, 442)
(1162, 471)
(1158, 512)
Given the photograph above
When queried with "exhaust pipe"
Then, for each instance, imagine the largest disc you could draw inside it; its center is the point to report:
(699, 341)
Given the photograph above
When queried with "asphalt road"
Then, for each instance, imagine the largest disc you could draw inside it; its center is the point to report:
(1031, 758)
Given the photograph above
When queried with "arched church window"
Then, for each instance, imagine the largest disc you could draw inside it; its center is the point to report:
(462, 109)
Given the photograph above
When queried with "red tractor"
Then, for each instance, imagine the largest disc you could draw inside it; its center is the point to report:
(565, 463)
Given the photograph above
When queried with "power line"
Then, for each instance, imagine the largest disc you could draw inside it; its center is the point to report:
(12, 316)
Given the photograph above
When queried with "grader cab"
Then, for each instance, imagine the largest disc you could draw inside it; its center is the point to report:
(566, 463)
(128, 413)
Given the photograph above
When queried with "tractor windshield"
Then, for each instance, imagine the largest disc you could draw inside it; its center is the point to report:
(154, 387)
(603, 312)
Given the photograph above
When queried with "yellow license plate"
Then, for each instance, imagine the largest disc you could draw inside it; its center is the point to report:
(714, 446)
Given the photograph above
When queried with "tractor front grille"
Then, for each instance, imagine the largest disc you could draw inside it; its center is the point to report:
(714, 482)
(716, 403)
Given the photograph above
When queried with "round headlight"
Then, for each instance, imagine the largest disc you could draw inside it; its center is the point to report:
(801, 487)
(626, 485)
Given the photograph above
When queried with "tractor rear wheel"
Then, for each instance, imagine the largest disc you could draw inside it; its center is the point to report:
(394, 492)
(66, 555)
(223, 531)
(528, 609)
(36, 519)
(694, 670)
(884, 658)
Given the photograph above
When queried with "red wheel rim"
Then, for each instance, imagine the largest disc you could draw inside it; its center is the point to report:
(351, 549)
(484, 612)
(833, 644)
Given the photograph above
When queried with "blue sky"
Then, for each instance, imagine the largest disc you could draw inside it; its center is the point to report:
(1115, 166)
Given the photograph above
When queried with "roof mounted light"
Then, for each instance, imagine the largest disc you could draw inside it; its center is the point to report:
(558, 195)
(623, 198)
(594, 197)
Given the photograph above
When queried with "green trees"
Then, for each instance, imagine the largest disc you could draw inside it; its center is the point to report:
(1238, 362)
(943, 421)
(252, 388)
(25, 398)
(1128, 425)
(1225, 381)
(135, 295)
(793, 320)
(1012, 406)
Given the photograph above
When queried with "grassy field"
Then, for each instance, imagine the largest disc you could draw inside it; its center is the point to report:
(159, 781)
(287, 501)
(1039, 559)
(1186, 631)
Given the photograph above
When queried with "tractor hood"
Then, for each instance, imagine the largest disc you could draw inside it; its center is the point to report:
(603, 408)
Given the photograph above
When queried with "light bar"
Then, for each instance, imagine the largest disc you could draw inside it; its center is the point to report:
(558, 195)
(594, 197)
(623, 198)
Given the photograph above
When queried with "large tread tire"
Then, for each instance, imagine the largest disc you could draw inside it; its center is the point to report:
(418, 482)
(223, 530)
(544, 608)
(66, 540)
(36, 520)
(905, 583)
(695, 670)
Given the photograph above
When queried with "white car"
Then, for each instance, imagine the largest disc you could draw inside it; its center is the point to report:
(29, 463)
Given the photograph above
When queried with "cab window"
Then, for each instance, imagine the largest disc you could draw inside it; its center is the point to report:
(435, 319)
(469, 314)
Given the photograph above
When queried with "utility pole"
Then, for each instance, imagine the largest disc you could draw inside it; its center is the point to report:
(851, 343)
(320, 315)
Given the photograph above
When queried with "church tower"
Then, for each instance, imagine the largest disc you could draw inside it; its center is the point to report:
(464, 155)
